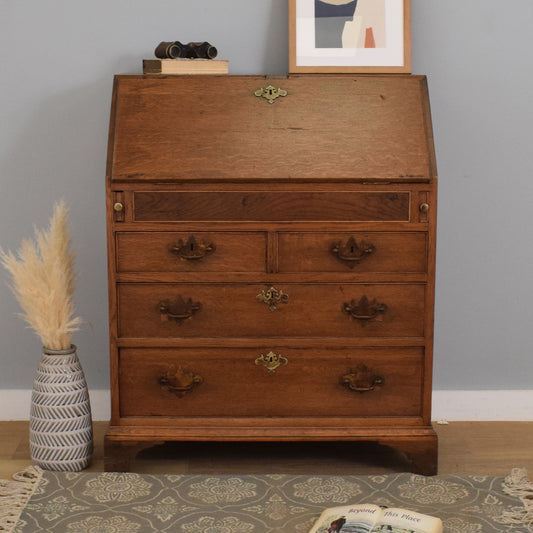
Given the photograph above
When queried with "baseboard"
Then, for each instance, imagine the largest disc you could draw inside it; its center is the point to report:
(450, 405)
(483, 405)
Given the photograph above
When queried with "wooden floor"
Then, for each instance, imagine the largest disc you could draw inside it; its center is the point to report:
(492, 448)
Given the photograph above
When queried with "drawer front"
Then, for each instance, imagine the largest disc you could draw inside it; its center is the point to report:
(236, 382)
(271, 206)
(191, 252)
(246, 310)
(353, 252)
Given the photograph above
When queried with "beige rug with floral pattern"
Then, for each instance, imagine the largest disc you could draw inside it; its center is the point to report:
(37, 501)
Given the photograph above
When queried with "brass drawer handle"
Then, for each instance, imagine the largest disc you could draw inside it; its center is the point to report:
(272, 297)
(271, 361)
(350, 252)
(362, 379)
(179, 310)
(180, 382)
(364, 309)
(192, 250)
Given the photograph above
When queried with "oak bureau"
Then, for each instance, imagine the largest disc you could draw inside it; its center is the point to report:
(271, 261)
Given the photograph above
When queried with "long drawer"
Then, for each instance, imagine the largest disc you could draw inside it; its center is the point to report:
(254, 310)
(270, 380)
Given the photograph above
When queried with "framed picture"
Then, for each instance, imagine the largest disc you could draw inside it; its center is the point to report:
(365, 36)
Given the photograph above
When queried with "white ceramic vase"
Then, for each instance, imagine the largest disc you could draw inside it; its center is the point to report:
(61, 435)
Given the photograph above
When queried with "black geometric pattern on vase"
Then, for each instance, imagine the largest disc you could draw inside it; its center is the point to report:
(61, 435)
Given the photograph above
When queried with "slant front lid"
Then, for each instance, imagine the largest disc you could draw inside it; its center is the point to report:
(216, 128)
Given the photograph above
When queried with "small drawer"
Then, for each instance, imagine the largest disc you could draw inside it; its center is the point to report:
(191, 252)
(246, 310)
(372, 252)
(271, 206)
(246, 382)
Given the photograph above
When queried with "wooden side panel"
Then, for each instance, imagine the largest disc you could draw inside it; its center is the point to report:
(335, 127)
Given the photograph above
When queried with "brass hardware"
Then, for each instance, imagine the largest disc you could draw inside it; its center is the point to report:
(362, 379)
(364, 309)
(180, 382)
(424, 208)
(271, 361)
(273, 297)
(192, 250)
(179, 311)
(270, 93)
(118, 207)
(352, 253)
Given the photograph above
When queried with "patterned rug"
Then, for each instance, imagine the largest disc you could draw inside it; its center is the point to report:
(37, 501)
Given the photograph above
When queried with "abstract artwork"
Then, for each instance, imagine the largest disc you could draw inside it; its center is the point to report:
(349, 36)
(350, 24)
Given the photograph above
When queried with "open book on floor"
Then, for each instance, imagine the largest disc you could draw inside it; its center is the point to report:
(367, 518)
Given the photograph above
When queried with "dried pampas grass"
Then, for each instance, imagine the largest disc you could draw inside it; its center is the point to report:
(43, 281)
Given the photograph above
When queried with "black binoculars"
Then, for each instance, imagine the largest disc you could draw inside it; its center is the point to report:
(175, 50)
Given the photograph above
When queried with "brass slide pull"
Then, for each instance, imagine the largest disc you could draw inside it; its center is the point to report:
(352, 253)
(272, 297)
(362, 379)
(179, 310)
(364, 309)
(271, 361)
(180, 382)
(192, 250)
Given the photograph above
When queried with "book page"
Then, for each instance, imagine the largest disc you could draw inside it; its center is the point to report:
(403, 521)
(348, 519)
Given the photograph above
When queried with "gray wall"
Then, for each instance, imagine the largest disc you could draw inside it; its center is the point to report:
(58, 58)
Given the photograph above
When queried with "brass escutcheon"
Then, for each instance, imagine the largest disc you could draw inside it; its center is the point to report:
(273, 297)
(271, 361)
(270, 93)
